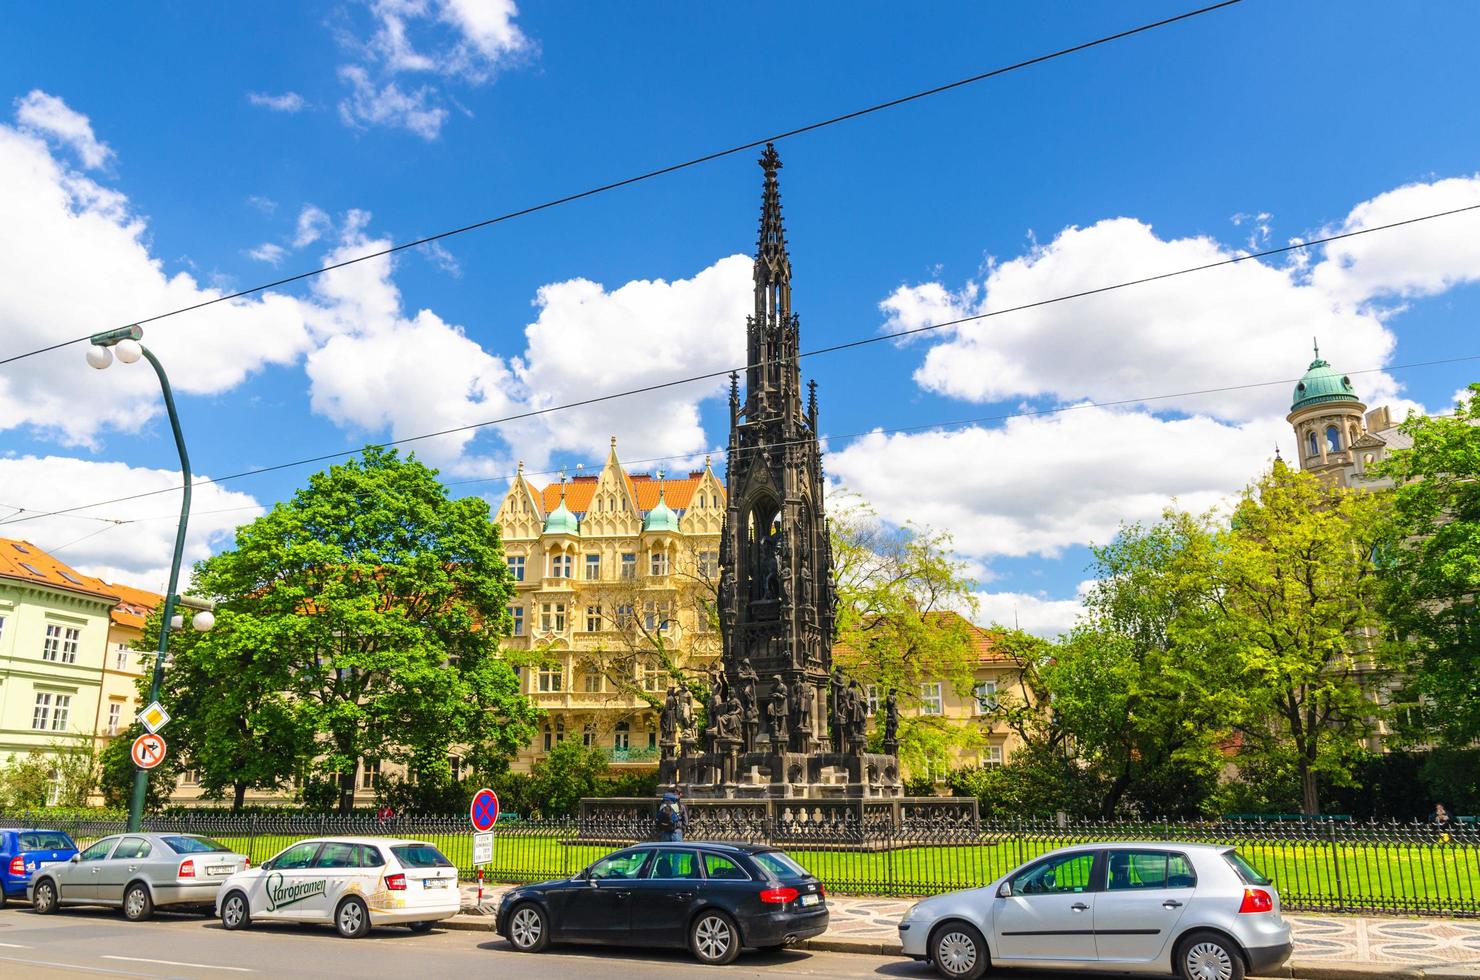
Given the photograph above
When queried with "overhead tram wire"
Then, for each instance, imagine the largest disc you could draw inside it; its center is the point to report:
(660, 172)
(722, 450)
(711, 375)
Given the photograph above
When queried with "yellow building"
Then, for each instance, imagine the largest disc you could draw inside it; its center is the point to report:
(54, 625)
(615, 577)
(119, 700)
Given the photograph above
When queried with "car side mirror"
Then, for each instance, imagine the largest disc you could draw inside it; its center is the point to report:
(268, 865)
(1004, 890)
(591, 879)
(75, 858)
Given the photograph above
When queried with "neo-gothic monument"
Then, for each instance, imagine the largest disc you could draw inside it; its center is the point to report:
(781, 722)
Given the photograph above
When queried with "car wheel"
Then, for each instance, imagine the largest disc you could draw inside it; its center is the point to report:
(352, 918)
(44, 898)
(529, 928)
(714, 939)
(1209, 956)
(235, 913)
(958, 951)
(137, 905)
(420, 926)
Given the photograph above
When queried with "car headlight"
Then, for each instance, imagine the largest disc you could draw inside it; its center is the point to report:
(914, 910)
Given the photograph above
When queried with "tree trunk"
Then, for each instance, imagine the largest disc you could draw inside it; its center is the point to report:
(1310, 803)
(1116, 792)
(240, 796)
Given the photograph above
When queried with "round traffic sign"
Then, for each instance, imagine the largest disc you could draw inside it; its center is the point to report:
(484, 810)
(147, 751)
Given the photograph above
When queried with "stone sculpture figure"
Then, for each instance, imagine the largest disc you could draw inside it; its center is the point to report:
(685, 713)
(839, 712)
(891, 723)
(779, 709)
(719, 688)
(802, 711)
(668, 718)
(857, 715)
(727, 722)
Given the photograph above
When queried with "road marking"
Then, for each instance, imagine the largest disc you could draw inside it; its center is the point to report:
(196, 966)
(14, 946)
(78, 967)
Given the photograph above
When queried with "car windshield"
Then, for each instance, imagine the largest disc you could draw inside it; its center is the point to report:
(46, 840)
(420, 856)
(1250, 874)
(780, 866)
(194, 845)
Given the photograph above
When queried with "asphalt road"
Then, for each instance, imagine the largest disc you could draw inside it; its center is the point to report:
(98, 942)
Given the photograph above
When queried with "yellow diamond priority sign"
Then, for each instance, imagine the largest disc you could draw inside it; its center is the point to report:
(154, 717)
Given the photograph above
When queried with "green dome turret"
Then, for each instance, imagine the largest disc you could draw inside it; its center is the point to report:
(561, 520)
(660, 518)
(1322, 383)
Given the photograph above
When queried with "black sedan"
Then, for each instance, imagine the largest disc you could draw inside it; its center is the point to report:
(712, 898)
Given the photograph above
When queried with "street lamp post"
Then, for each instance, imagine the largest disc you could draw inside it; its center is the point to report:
(125, 343)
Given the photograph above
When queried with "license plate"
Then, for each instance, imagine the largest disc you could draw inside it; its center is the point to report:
(220, 869)
(811, 899)
(435, 882)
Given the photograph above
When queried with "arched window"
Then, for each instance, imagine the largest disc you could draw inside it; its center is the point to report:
(1315, 448)
(1333, 439)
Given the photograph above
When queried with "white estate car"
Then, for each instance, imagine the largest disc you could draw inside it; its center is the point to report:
(1197, 910)
(351, 882)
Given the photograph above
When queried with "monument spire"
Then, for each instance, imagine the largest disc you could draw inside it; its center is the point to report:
(772, 264)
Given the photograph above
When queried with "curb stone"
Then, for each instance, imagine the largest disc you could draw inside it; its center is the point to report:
(1303, 969)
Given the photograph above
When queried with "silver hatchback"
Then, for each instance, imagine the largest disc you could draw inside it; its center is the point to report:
(1197, 910)
(137, 872)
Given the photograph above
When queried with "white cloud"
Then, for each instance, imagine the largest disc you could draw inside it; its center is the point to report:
(1039, 485)
(313, 224)
(466, 41)
(286, 102)
(268, 252)
(49, 115)
(1235, 325)
(264, 204)
(1411, 261)
(442, 259)
(54, 221)
(135, 553)
(1035, 612)
(386, 104)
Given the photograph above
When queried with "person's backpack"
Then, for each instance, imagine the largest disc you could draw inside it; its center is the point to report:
(669, 815)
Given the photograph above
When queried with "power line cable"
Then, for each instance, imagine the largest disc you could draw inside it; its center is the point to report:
(662, 171)
(876, 430)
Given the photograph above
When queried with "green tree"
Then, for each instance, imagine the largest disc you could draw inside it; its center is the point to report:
(1292, 611)
(569, 772)
(903, 602)
(1145, 703)
(379, 601)
(1432, 566)
(62, 774)
(226, 691)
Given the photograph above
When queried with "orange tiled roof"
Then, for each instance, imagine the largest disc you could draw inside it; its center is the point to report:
(579, 493)
(24, 562)
(134, 605)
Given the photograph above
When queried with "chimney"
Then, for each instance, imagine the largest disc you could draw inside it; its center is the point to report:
(1379, 420)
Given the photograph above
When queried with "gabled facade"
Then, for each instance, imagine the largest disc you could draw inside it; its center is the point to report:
(615, 576)
(54, 625)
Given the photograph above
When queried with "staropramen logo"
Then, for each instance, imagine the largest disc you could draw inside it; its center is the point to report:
(281, 895)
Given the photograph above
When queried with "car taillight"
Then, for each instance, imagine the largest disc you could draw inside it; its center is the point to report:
(821, 892)
(779, 896)
(1257, 900)
(17, 866)
(187, 868)
(395, 883)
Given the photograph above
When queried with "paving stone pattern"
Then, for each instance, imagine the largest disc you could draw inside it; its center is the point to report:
(1329, 939)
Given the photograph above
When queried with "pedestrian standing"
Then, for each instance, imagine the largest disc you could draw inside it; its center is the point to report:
(672, 817)
(1440, 817)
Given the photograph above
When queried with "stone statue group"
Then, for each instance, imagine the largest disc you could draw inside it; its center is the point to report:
(736, 715)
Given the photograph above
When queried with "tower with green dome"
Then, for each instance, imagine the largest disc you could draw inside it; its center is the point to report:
(1327, 416)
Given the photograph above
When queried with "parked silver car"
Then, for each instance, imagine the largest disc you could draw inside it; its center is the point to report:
(139, 872)
(1196, 910)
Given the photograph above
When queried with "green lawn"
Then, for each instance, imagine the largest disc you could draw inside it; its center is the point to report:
(1377, 876)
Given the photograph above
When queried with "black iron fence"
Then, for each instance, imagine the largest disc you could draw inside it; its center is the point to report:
(1318, 867)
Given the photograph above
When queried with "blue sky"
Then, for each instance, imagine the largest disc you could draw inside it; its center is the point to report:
(171, 150)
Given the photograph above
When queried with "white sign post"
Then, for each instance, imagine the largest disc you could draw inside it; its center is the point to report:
(482, 849)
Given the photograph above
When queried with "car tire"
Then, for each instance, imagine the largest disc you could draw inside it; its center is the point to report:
(1209, 956)
(44, 897)
(352, 918)
(138, 905)
(713, 938)
(421, 926)
(529, 928)
(959, 951)
(236, 913)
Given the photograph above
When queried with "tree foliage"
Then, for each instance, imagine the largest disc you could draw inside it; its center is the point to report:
(1432, 566)
(61, 775)
(376, 603)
